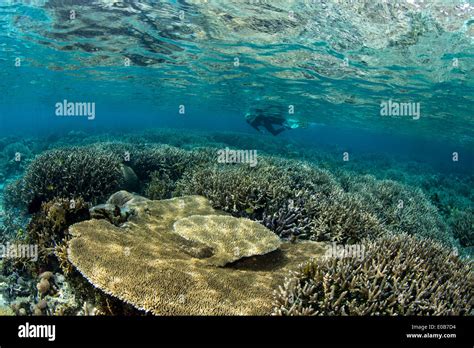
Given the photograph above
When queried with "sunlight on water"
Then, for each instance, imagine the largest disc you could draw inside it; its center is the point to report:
(335, 62)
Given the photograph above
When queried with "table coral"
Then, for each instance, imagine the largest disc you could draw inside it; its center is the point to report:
(147, 264)
(230, 238)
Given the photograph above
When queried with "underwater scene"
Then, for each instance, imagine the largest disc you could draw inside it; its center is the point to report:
(233, 157)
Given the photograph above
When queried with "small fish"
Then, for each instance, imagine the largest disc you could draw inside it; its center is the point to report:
(249, 210)
(50, 188)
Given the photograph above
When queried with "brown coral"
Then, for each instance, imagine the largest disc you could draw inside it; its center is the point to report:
(229, 238)
(43, 286)
(47, 227)
(143, 263)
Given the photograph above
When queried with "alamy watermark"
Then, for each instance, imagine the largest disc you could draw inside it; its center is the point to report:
(21, 251)
(237, 156)
(392, 108)
(66, 108)
(355, 251)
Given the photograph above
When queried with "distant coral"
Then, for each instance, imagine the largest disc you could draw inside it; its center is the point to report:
(397, 275)
(462, 226)
(401, 208)
(16, 150)
(14, 158)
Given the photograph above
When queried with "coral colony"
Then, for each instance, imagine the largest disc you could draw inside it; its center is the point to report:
(278, 239)
(331, 175)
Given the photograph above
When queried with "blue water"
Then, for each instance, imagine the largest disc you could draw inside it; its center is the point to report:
(181, 54)
(141, 61)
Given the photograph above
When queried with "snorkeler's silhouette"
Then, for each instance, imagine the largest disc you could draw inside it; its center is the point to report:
(260, 118)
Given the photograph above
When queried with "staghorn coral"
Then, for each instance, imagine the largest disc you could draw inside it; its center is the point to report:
(88, 172)
(146, 264)
(302, 203)
(246, 191)
(291, 219)
(342, 218)
(398, 275)
(462, 226)
(159, 187)
(401, 208)
(236, 237)
(164, 159)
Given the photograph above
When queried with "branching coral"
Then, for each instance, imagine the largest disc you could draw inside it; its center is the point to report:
(462, 226)
(291, 198)
(291, 220)
(48, 227)
(250, 192)
(164, 159)
(88, 172)
(398, 275)
(159, 187)
(341, 217)
(399, 207)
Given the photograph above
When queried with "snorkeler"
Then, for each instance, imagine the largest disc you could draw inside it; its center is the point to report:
(259, 119)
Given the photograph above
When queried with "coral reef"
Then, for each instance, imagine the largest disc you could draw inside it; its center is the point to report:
(145, 263)
(309, 195)
(159, 187)
(400, 207)
(306, 203)
(88, 172)
(462, 226)
(236, 237)
(343, 218)
(398, 275)
(48, 227)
